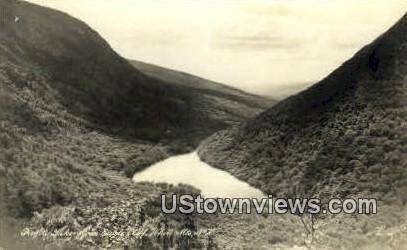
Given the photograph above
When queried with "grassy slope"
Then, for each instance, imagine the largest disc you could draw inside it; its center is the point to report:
(345, 136)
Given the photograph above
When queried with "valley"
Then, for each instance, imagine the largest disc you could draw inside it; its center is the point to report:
(90, 140)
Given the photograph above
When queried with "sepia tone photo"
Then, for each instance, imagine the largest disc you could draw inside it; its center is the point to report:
(203, 124)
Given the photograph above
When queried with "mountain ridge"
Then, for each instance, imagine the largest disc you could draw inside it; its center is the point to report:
(192, 81)
(327, 137)
(309, 98)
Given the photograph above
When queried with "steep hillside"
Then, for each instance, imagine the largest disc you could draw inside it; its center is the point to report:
(95, 84)
(75, 118)
(67, 99)
(344, 136)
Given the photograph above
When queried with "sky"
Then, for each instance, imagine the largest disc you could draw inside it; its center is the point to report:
(267, 47)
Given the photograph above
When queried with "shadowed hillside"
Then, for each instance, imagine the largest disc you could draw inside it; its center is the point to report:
(95, 84)
(345, 135)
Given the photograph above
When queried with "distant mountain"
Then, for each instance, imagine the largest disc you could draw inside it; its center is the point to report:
(204, 86)
(289, 89)
(345, 135)
(217, 102)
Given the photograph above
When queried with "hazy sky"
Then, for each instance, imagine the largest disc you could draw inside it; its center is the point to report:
(258, 45)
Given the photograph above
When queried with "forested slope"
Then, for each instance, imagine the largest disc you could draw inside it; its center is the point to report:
(345, 135)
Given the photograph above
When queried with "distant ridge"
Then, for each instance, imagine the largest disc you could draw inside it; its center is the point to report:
(199, 83)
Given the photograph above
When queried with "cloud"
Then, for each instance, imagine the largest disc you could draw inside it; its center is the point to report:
(275, 9)
(149, 38)
(258, 42)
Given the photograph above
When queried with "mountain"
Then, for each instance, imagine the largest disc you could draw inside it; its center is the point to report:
(98, 86)
(206, 87)
(217, 102)
(75, 118)
(344, 136)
